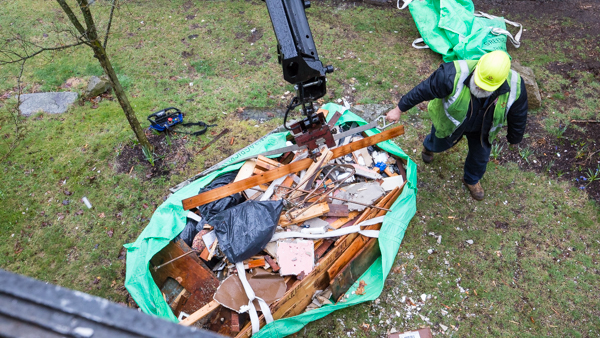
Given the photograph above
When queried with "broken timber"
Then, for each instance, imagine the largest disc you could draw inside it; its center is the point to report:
(268, 176)
(189, 271)
(201, 313)
(300, 295)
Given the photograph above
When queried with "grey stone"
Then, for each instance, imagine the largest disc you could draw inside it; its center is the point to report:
(534, 99)
(370, 112)
(97, 86)
(52, 103)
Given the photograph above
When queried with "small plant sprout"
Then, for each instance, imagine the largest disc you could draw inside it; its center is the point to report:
(149, 155)
(496, 150)
(525, 153)
(558, 131)
(581, 151)
(592, 175)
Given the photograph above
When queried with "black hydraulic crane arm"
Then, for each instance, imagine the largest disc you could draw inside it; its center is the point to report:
(299, 59)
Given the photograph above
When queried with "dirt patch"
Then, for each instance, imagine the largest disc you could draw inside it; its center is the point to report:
(572, 154)
(566, 69)
(169, 154)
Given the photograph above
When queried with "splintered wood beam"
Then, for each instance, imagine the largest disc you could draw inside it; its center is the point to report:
(355, 268)
(203, 312)
(360, 240)
(268, 176)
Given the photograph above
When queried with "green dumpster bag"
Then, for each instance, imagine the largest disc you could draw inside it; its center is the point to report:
(169, 220)
(453, 28)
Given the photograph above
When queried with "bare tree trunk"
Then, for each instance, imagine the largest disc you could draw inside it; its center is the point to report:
(90, 34)
(100, 54)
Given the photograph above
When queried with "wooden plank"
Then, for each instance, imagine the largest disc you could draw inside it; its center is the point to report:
(360, 241)
(322, 248)
(301, 216)
(287, 182)
(272, 263)
(255, 263)
(235, 187)
(324, 111)
(341, 221)
(189, 271)
(322, 160)
(300, 295)
(246, 170)
(355, 268)
(264, 162)
(203, 312)
(338, 210)
(352, 250)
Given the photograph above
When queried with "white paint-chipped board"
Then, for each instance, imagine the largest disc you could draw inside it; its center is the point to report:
(390, 183)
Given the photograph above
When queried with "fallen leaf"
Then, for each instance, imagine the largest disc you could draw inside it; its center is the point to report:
(361, 288)
(101, 215)
(110, 233)
(122, 253)
(79, 212)
(67, 192)
(65, 202)
(145, 206)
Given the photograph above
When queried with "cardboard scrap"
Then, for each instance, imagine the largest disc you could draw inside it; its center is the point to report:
(266, 285)
(295, 257)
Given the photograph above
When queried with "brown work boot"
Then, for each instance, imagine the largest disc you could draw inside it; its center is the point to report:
(476, 190)
(426, 155)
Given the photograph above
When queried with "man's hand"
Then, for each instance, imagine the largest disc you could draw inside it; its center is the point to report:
(393, 115)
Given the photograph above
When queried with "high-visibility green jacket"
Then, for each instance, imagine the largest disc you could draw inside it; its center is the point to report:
(451, 102)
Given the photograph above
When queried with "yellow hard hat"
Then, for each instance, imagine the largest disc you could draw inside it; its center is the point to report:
(492, 70)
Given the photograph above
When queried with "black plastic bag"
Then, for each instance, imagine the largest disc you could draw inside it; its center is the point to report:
(244, 230)
(192, 228)
(209, 210)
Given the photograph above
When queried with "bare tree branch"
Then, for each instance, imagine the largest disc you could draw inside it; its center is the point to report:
(72, 17)
(21, 58)
(110, 17)
(89, 20)
(15, 117)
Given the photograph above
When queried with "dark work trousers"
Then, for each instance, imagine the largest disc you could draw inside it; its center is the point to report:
(477, 158)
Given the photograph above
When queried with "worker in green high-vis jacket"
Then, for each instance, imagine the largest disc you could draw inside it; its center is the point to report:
(474, 99)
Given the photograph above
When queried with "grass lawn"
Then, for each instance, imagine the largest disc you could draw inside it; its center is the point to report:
(524, 262)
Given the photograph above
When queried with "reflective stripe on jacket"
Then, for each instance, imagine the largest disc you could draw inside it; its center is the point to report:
(448, 113)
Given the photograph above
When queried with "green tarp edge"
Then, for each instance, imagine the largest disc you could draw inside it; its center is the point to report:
(169, 220)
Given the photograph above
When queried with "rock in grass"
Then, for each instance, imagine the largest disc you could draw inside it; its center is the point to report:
(534, 99)
(52, 103)
(97, 86)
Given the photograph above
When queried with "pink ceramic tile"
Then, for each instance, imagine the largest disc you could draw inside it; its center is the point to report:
(295, 257)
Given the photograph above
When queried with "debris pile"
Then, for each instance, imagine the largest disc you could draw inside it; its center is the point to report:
(281, 235)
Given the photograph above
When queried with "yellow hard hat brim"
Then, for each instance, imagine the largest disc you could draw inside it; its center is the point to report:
(481, 83)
